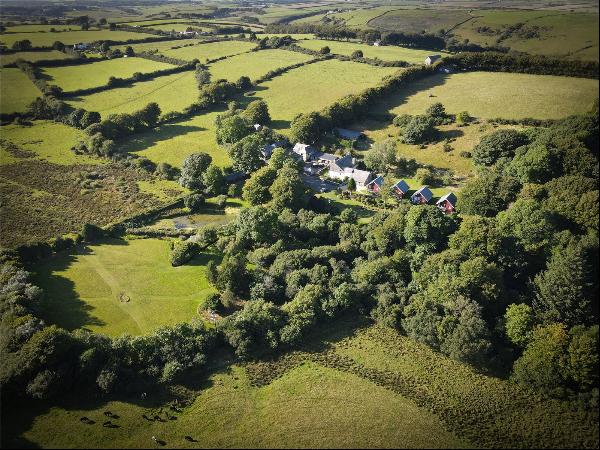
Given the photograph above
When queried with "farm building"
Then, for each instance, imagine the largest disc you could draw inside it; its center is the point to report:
(375, 185)
(327, 159)
(351, 135)
(431, 59)
(304, 151)
(400, 189)
(361, 177)
(447, 203)
(422, 196)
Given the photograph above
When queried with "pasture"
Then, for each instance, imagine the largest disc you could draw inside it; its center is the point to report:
(122, 287)
(209, 51)
(497, 95)
(159, 46)
(315, 86)
(47, 141)
(71, 78)
(172, 93)
(385, 53)
(255, 64)
(32, 56)
(418, 20)
(172, 143)
(70, 37)
(40, 28)
(369, 387)
(16, 91)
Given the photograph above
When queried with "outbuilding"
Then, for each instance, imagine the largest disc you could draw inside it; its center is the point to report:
(432, 59)
(447, 203)
(422, 196)
(400, 189)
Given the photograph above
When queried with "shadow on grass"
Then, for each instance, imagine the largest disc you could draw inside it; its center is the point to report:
(166, 132)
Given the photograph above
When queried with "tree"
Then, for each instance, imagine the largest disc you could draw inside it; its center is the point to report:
(247, 153)
(281, 158)
(89, 118)
(193, 170)
(499, 144)
(194, 202)
(533, 164)
(231, 129)
(243, 83)
(531, 224)
(437, 112)
(325, 50)
(424, 176)
(129, 51)
(583, 357)
(22, 45)
(256, 188)
(382, 156)
(488, 194)
(233, 275)
(426, 224)
(257, 112)
(288, 190)
(463, 118)
(519, 323)
(356, 54)
(418, 130)
(306, 128)
(213, 180)
(182, 252)
(148, 115)
(351, 185)
(58, 46)
(202, 75)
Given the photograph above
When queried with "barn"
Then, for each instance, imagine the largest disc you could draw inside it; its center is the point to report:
(447, 203)
(422, 196)
(432, 59)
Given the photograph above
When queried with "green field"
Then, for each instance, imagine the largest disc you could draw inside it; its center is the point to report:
(374, 389)
(255, 64)
(40, 28)
(70, 37)
(385, 53)
(32, 56)
(171, 92)
(16, 91)
(159, 46)
(50, 141)
(86, 290)
(71, 78)
(211, 50)
(315, 86)
(494, 95)
(172, 143)
(418, 20)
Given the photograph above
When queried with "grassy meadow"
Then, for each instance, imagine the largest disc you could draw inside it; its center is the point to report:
(255, 64)
(498, 95)
(209, 51)
(385, 53)
(40, 28)
(71, 78)
(313, 87)
(16, 91)
(172, 93)
(122, 287)
(418, 20)
(172, 143)
(32, 56)
(70, 37)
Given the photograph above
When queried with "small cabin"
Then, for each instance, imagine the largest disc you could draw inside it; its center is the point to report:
(375, 185)
(432, 59)
(400, 189)
(447, 203)
(422, 196)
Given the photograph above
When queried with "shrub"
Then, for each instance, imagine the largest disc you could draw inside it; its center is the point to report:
(194, 202)
(182, 252)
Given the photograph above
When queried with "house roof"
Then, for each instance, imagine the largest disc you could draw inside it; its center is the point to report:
(378, 181)
(299, 147)
(326, 156)
(360, 176)
(450, 197)
(402, 186)
(433, 57)
(425, 192)
(347, 134)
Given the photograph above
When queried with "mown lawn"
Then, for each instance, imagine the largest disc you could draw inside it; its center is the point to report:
(32, 56)
(16, 91)
(87, 289)
(315, 86)
(210, 51)
(497, 95)
(255, 64)
(172, 143)
(171, 92)
(71, 37)
(71, 78)
(385, 53)
(49, 141)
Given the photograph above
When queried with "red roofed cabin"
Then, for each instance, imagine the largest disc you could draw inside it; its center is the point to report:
(401, 188)
(422, 196)
(375, 185)
(447, 203)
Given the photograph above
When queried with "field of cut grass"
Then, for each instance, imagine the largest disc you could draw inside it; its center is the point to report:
(312, 87)
(171, 92)
(494, 95)
(209, 51)
(159, 46)
(385, 53)
(32, 56)
(71, 78)
(16, 91)
(71, 37)
(172, 143)
(49, 141)
(122, 287)
(40, 28)
(555, 33)
(298, 36)
(255, 64)
(360, 17)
